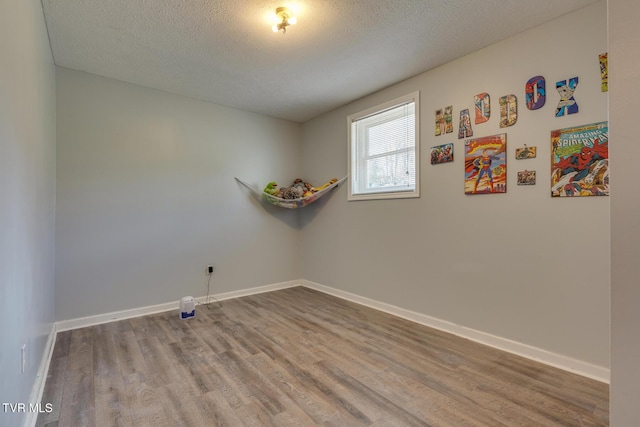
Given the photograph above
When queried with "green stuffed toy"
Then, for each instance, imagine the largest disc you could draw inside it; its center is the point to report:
(271, 188)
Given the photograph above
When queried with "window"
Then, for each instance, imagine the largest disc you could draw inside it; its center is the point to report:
(383, 151)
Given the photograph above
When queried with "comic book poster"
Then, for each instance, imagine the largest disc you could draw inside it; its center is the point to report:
(526, 177)
(580, 161)
(442, 154)
(485, 161)
(526, 152)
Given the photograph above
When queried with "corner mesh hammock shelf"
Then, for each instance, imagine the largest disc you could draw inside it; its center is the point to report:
(300, 202)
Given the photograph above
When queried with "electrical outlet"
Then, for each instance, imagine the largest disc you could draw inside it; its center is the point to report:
(23, 358)
(209, 269)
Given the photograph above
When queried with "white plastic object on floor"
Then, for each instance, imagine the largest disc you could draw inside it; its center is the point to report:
(187, 307)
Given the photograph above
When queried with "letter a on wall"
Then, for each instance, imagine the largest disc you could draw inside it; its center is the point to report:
(567, 104)
(535, 92)
(465, 130)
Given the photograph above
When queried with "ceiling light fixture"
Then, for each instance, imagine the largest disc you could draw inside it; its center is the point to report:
(285, 18)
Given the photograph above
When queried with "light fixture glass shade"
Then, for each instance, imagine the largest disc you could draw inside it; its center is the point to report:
(292, 21)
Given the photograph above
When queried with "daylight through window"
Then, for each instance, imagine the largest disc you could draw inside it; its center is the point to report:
(383, 151)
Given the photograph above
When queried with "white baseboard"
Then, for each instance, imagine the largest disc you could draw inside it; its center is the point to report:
(250, 291)
(41, 377)
(576, 366)
(98, 319)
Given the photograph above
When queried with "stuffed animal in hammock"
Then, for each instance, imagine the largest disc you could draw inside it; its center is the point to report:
(297, 190)
(271, 188)
(294, 192)
(325, 185)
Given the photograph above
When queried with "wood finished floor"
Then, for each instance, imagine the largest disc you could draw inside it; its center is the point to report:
(298, 357)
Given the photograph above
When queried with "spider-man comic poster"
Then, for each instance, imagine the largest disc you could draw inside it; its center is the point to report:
(580, 161)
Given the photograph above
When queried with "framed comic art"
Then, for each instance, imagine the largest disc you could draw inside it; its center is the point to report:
(526, 177)
(442, 154)
(485, 161)
(580, 161)
(526, 152)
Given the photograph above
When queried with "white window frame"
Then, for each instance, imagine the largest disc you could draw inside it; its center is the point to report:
(357, 158)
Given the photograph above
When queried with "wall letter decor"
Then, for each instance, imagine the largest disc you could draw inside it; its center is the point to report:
(567, 104)
(508, 110)
(439, 122)
(448, 118)
(444, 120)
(465, 124)
(483, 107)
(535, 92)
(604, 71)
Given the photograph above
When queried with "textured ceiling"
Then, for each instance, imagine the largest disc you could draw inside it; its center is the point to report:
(224, 51)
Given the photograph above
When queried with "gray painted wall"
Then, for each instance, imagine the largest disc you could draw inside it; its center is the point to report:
(146, 197)
(520, 265)
(624, 39)
(27, 197)
(27, 170)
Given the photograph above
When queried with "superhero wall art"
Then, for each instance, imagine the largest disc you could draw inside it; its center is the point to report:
(580, 161)
(485, 161)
